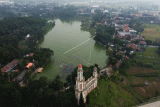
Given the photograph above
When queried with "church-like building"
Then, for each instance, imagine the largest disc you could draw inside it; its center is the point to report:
(83, 86)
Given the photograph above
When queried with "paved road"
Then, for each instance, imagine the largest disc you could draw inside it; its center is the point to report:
(154, 104)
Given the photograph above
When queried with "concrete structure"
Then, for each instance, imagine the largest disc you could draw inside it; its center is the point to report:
(123, 33)
(83, 86)
(106, 71)
(153, 104)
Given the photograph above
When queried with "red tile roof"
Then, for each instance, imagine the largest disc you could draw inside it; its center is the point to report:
(31, 54)
(3, 70)
(142, 42)
(105, 20)
(29, 65)
(132, 39)
(126, 28)
(9, 66)
(79, 66)
(132, 46)
(14, 62)
(127, 57)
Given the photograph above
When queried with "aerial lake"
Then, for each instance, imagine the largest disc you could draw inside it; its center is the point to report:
(71, 46)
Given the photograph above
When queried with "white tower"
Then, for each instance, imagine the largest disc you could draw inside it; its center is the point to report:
(95, 72)
(79, 82)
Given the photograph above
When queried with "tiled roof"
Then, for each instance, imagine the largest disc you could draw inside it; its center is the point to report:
(9, 66)
(142, 42)
(132, 46)
(29, 65)
(14, 62)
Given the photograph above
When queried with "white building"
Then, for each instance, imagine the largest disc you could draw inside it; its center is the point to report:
(83, 86)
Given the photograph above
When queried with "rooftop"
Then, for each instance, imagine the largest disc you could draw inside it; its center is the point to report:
(9, 66)
(79, 66)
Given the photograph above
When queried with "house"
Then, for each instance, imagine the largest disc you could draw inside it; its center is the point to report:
(120, 52)
(127, 57)
(132, 45)
(105, 11)
(142, 42)
(132, 39)
(118, 63)
(9, 66)
(28, 55)
(39, 70)
(126, 29)
(27, 37)
(29, 65)
(123, 33)
(31, 54)
(19, 78)
(133, 32)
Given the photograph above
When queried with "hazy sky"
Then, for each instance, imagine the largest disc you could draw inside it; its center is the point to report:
(155, 1)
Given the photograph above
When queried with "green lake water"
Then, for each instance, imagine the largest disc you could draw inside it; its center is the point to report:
(63, 37)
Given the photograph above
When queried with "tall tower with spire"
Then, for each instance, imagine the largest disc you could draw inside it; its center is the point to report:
(79, 82)
(83, 86)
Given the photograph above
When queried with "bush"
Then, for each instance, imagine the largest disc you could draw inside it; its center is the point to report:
(147, 65)
(147, 75)
(137, 85)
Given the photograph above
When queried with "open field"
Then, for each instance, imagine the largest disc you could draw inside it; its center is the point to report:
(150, 57)
(151, 32)
(110, 94)
(149, 90)
(139, 70)
(145, 87)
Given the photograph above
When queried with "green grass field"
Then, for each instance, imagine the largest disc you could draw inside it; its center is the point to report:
(150, 56)
(111, 95)
(151, 32)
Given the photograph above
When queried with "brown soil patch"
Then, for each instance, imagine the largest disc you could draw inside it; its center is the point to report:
(157, 80)
(150, 31)
(138, 80)
(139, 70)
(125, 81)
(140, 91)
(148, 90)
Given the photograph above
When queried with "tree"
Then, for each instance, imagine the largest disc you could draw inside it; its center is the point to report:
(56, 84)
(81, 101)
(87, 99)
(17, 98)
(43, 81)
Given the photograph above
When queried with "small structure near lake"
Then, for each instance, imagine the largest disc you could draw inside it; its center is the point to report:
(29, 65)
(39, 70)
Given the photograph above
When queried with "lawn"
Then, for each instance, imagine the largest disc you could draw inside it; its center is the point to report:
(110, 94)
(151, 32)
(150, 57)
